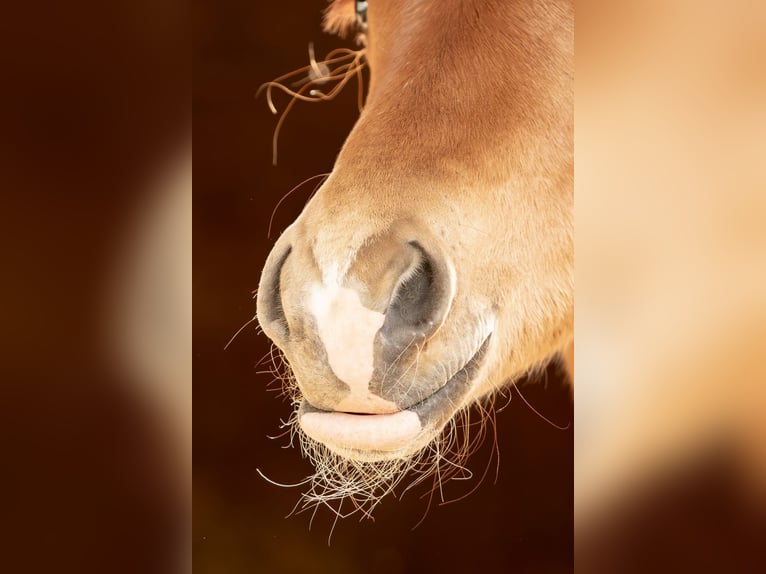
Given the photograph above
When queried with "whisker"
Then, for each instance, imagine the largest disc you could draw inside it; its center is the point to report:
(285, 196)
(254, 318)
(275, 483)
(534, 410)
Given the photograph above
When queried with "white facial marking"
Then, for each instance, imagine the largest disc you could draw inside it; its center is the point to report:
(347, 329)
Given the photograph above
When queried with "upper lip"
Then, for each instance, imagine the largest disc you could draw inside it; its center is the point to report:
(452, 391)
(455, 389)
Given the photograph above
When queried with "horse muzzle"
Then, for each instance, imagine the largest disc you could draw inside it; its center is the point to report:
(361, 329)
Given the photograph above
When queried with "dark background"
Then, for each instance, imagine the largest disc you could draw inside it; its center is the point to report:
(520, 523)
(95, 102)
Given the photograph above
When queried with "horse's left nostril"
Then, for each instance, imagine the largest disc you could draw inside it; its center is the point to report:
(271, 314)
(420, 300)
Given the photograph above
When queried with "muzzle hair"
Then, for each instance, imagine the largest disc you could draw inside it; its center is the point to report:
(348, 487)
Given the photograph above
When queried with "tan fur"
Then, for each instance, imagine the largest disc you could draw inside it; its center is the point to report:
(466, 135)
(340, 17)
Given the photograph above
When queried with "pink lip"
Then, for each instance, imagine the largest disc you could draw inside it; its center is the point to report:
(339, 431)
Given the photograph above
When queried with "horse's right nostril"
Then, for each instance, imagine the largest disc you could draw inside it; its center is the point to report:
(271, 314)
(420, 300)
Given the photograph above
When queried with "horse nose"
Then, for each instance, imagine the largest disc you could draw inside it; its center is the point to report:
(345, 334)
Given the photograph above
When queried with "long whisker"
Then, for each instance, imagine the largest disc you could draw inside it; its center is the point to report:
(534, 410)
(242, 328)
(285, 196)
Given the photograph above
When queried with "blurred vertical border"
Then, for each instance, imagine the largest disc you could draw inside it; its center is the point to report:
(670, 392)
(95, 184)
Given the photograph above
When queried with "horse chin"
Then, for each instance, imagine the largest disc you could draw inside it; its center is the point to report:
(389, 436)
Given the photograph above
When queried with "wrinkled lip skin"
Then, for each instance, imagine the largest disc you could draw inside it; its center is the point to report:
(371, 437)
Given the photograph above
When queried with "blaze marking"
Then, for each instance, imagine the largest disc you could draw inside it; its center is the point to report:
(347, 330)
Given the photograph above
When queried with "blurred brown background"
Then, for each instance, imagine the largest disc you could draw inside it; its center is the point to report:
(521, 523)
(94, 105)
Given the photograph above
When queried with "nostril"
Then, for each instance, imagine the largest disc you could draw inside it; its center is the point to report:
(271, 313)
(419, 301)
(413, 300)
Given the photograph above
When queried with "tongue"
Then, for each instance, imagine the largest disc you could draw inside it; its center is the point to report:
(345, 431)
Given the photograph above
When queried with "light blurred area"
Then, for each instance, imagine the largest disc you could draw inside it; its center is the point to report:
(149, 308)
(148, 318)
(94, 148)
(670, 391)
